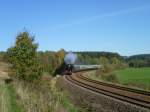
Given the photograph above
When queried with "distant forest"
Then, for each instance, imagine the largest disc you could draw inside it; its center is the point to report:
(50, 58)
(142, 60)
(97, 57)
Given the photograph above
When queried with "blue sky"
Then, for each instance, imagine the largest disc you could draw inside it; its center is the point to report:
(121, 26)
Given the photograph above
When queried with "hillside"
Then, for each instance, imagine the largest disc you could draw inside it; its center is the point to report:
(141, 60)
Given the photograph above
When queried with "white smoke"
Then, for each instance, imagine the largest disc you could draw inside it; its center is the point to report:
(70, 58)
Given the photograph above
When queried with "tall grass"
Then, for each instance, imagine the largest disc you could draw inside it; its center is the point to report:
(8, 102)
(43, 97)
(63, 99)
(4, 99)
(36, 99)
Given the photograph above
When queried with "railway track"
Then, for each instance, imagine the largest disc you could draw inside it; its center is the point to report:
(132, 96)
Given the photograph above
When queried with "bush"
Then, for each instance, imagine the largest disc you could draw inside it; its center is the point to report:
(23, 57)
(110, 77)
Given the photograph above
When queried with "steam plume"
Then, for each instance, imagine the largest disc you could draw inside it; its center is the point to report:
(70, 58)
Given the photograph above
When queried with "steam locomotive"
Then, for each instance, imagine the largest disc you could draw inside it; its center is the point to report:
(69, 60)
(68, 69)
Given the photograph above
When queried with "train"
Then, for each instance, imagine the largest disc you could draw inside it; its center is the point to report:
(68, 69)
(69, 60)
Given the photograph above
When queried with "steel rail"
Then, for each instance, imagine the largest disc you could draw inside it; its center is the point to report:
(115, 86)
(94, 86)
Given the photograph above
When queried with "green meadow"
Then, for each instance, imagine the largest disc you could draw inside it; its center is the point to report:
(139, 77)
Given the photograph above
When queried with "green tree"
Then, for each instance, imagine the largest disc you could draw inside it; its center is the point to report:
(23, 57)
(104, 61)
(60, 56)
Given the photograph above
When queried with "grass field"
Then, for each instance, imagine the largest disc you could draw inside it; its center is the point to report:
(139, 77)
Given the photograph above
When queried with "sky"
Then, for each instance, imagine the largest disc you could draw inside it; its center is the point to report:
(121, 26)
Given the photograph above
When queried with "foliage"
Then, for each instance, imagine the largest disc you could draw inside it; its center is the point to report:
(51, 61)
(106, 76)
(139, 60)
(118, 61)
(111, 77)
(23, 57)
(94, 57)
(110, 61)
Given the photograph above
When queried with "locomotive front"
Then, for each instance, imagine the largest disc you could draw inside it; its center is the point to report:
(70, 59)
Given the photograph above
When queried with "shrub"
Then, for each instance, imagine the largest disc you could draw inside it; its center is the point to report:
(111, 77)
(23, 57)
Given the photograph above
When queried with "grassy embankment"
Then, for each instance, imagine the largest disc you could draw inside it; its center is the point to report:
(8, 98)
(133, 77)
(43, 97)
(20, 96)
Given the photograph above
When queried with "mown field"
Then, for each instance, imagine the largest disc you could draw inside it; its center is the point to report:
(139, 77)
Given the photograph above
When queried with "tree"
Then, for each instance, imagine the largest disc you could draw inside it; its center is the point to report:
(104, 61)
(60, 56)
(23, 57)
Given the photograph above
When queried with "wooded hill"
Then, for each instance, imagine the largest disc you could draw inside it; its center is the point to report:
(91, 57)
(49, 58)
(142, 60)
